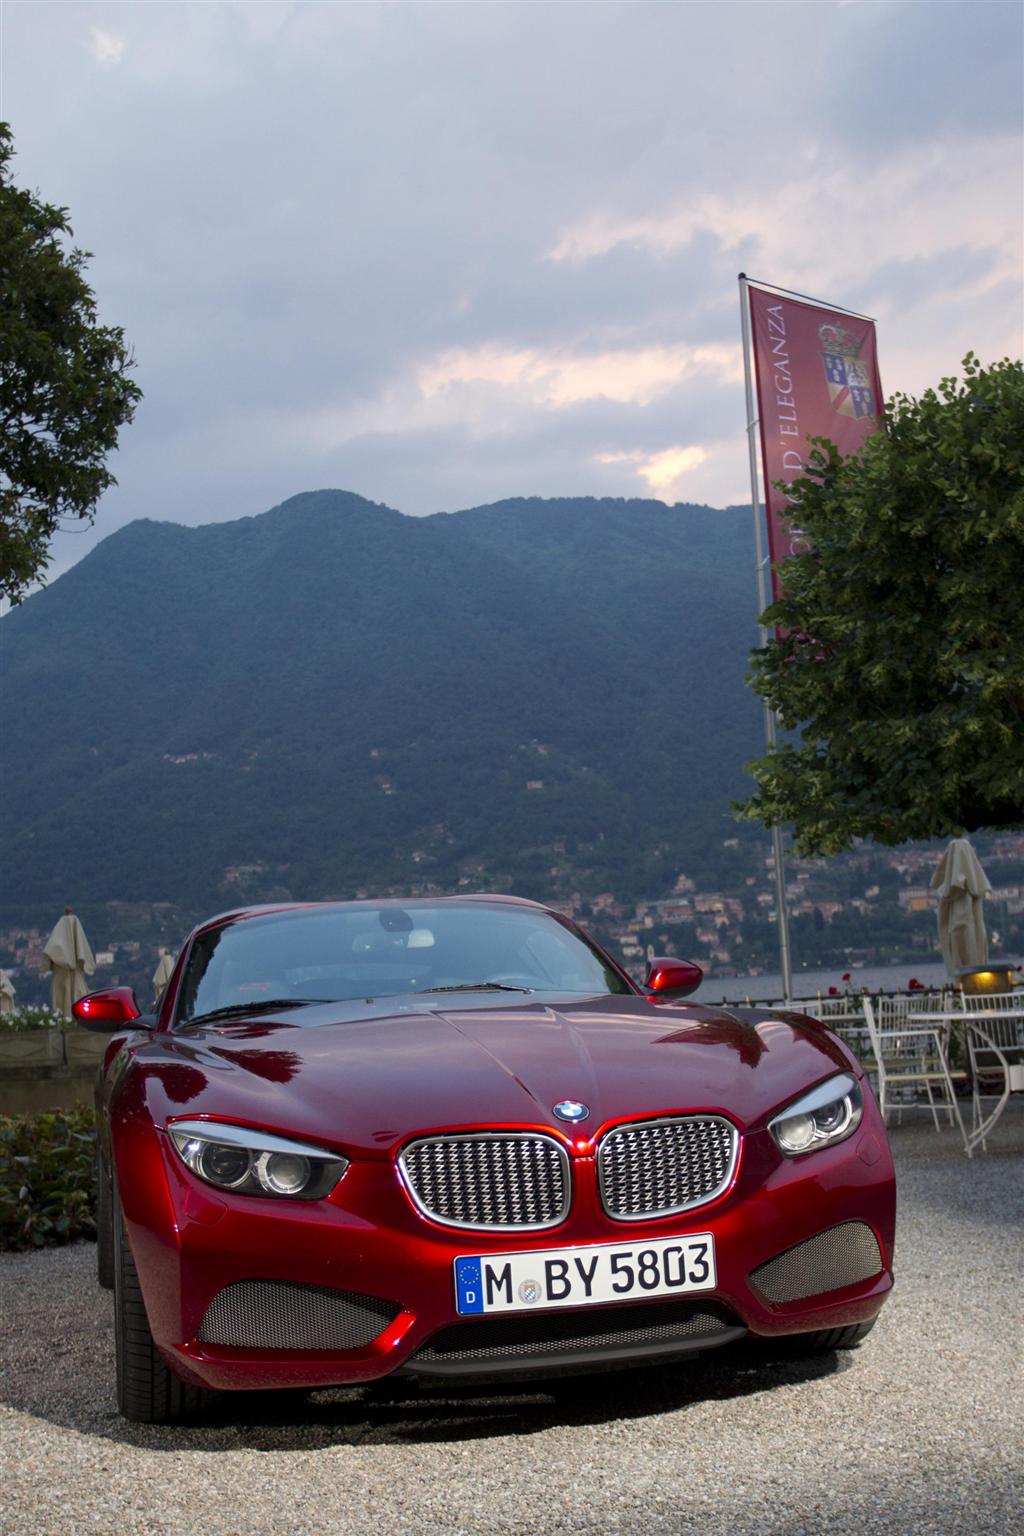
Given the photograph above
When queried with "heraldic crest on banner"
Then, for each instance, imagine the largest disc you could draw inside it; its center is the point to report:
(849, 384)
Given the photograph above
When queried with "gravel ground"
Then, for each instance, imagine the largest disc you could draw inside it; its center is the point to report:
(918, 1431)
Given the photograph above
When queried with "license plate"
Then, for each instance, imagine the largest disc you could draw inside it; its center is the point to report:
(578, 1277)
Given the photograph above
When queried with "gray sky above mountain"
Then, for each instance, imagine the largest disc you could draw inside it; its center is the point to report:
(444, 254)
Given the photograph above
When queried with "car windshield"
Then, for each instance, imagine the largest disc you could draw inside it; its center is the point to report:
(379, 951)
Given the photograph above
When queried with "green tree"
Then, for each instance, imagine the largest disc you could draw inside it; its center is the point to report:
(64, 385)
(898, 656)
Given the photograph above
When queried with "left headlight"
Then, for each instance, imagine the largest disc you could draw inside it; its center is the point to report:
(252, 1162)
(827, 1114)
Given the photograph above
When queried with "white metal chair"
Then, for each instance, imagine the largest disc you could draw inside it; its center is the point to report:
(936, 1001)
(846, 1016)
(911, 1056)
(994, 1032)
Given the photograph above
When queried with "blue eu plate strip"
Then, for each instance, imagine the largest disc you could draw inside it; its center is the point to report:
(469, 1294)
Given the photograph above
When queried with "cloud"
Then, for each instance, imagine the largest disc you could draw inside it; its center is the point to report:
(664, 472)
(832, 221)
(440, 255)
(562, 377)
(107, 47)
(894, 75)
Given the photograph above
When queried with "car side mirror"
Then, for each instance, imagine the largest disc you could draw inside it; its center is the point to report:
(673, 978)
(115, 1008)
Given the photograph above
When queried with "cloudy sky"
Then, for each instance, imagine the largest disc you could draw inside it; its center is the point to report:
(441, 254)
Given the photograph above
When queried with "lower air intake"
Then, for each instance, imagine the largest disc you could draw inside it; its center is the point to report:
(274, 1314)
(548, 1335)
(840, 1256)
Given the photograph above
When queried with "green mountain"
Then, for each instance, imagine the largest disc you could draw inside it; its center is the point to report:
(545, 696)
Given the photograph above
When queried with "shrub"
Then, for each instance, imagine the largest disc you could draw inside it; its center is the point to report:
(47, 1184)
(29, 1018)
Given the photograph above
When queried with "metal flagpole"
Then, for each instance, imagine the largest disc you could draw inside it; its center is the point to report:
(781, 910)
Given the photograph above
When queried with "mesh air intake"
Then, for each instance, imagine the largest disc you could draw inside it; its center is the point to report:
(553, 1333)
(840, 1256)
(274, 1314)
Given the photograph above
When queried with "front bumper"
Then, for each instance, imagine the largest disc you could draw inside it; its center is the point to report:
(368, 1242)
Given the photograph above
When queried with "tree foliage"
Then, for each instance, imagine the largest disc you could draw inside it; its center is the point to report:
(64, 385)
(898, 655)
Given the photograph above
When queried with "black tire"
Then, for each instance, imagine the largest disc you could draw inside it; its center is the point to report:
(828, 1339)
(104, 1227)
(147, 1392)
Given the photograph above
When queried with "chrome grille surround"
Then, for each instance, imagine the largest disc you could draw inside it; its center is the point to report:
(496, 1181)
(655, 1168)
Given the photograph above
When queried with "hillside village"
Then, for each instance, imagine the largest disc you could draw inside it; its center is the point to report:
(866, 908)
(862, 909)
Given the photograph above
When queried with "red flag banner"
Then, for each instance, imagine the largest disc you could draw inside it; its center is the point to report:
(817, 376)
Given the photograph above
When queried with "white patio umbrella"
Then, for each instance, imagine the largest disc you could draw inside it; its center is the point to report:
(8, 996)
(962, 884)
(68, 958)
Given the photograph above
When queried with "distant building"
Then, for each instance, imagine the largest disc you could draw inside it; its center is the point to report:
(916, 898)
(828, 909)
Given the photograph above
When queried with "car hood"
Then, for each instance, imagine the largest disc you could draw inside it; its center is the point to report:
(368, 1081)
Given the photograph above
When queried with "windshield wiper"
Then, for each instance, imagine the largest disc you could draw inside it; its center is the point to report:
(239, 1010)
(476, 986)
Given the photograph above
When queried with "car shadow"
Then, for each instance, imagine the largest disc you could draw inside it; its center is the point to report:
(400, 1411)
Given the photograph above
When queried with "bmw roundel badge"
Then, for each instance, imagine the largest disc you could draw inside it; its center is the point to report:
(571, 1110)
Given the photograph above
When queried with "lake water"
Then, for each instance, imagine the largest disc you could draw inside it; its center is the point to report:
(762, 989)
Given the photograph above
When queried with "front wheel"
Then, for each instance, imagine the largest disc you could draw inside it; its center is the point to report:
(828, 1339)
(104, 1227)
(147, 1392)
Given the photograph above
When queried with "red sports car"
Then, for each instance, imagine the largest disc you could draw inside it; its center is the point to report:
(451, 1138)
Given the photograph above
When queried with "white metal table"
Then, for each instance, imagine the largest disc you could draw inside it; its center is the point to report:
(966, 1021)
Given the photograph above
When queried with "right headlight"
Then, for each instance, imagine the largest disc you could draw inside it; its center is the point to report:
(251, 1162)
(829, 1113)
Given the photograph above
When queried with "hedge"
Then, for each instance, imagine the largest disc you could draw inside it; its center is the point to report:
(47, 1181)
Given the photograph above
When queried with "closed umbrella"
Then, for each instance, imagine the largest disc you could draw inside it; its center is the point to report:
(962, 884)
(68, 958)
(162, 975)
